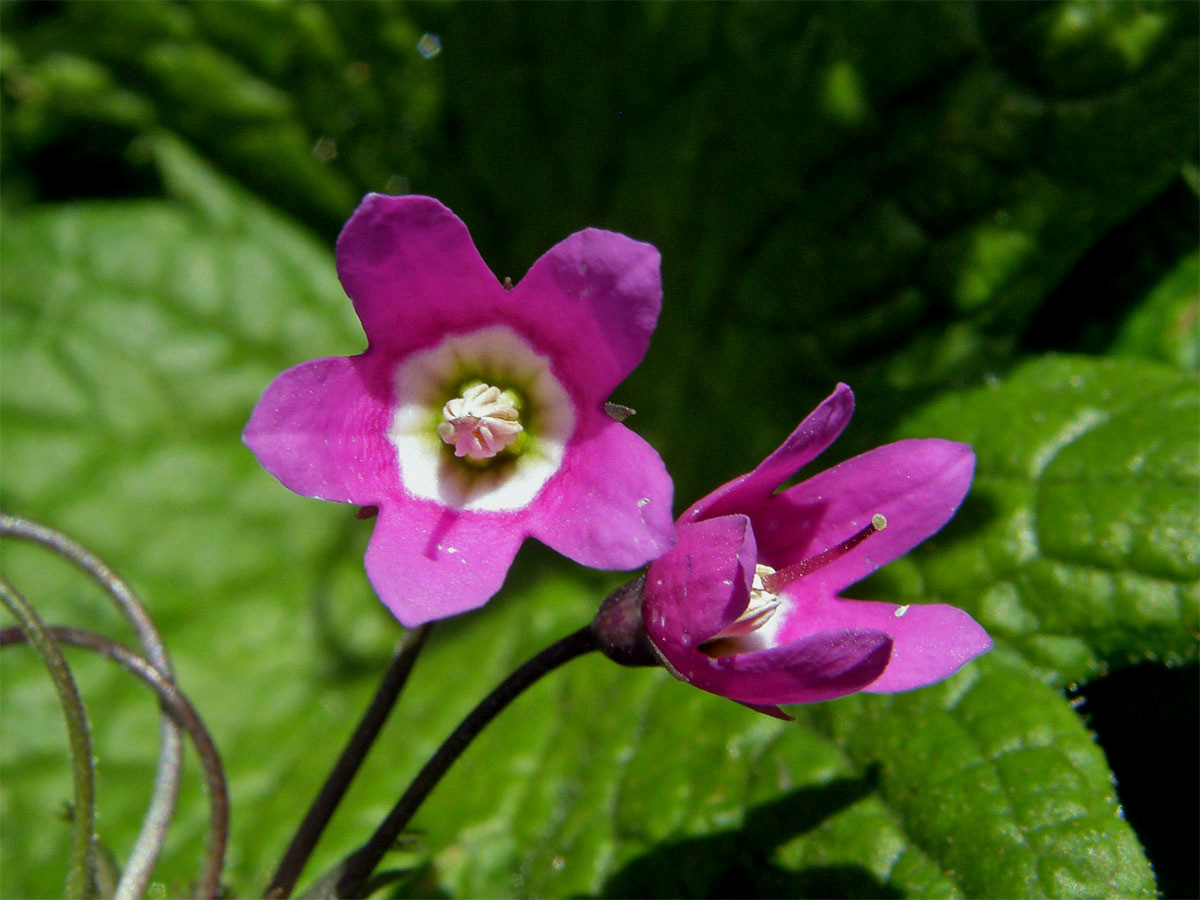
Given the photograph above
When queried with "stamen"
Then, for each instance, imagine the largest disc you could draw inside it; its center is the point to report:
(759, 610)
(481, 423)
(781, 579)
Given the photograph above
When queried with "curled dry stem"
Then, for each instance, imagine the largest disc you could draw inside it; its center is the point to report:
(181, 711)
(41, 638)
(135, 877)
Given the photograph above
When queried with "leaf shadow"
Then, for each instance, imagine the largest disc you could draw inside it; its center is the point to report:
(344, 657)
(740, 862)
(978, 513)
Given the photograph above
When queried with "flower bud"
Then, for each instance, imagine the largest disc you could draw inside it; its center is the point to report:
(619, 629)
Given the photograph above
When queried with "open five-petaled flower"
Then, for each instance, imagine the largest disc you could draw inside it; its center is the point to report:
(746, 604)
(476, 416)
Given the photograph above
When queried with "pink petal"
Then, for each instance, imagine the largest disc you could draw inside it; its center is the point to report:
(815, 667)
(319, 428)
(700, 586)
(590, 303)
(427, 562)
(594, 299)
(916, 484)
(413, 272)
(609, 506)
(931, 641)
(818, 430)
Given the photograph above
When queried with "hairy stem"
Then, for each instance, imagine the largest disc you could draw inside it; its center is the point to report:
(355, 871)
(347, 766)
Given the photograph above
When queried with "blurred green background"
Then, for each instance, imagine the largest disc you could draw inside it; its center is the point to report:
(983, 217)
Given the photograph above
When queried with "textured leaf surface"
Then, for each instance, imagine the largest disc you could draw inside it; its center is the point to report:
(1078, 543)
(903, 198)
(137, 336)
(996, 778)
(135, 340)
(875, 198)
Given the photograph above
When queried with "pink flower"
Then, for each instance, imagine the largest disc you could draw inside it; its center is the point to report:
(476, 416)
(747, 603)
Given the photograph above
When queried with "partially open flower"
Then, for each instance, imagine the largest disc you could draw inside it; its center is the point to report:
(747, 604)
(476, 417)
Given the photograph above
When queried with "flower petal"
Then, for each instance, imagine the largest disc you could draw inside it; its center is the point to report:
(700, 586)
(815, 667)
(319, 428)
(413, 272)
(931, 641)
(916, 484)
(427, 562)
(819, 429)
(609, 505)
(594, 298)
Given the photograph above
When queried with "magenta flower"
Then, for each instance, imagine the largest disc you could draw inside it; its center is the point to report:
(747, 604)
(476, 416)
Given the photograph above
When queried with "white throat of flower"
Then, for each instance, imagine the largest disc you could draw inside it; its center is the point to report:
(482, 422)
(733, 637)
(761, 607)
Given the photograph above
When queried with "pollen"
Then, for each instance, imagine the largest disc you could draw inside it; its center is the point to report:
(481, 423)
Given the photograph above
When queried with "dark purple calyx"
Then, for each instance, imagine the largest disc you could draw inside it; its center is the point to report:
(619, 629)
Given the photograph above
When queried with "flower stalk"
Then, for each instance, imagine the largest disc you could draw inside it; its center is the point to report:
(354, 873)
(338, 781)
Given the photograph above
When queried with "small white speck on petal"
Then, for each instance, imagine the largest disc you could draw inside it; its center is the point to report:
(644, 502)
(900, 610)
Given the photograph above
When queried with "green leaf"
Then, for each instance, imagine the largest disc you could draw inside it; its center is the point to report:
(871, 193)
(612, 782)
(1166, 326)
(1077, 546)
(136, 337)
(997, 779)
(310, 105)
(135, 340)
(881, 195)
